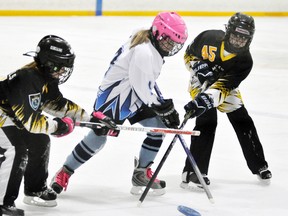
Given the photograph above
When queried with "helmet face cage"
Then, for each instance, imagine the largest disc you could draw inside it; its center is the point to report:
(168, 46)
(59, 72)
(55, 56)
(170, 31)
(239, 33)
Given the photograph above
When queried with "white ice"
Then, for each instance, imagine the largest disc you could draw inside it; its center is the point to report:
(102, 185)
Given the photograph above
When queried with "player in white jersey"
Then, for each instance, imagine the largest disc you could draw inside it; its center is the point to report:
(126, 92)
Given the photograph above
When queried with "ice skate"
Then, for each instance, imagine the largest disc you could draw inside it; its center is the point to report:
(10, 210)
(61, 179)
(264, 175)
(46, 198)
(140, 179)
(191, 182)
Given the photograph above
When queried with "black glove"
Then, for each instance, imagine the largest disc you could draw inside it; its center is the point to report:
(166, 111)
(65, 126)
(110, 127)
(197, 107)
(203, 72)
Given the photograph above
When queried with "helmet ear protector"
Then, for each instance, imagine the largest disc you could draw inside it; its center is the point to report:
(239, 33)
(54, 57)
(170, 32)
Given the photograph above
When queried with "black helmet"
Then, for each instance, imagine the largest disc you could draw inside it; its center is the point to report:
(55, 57)
(239, 33)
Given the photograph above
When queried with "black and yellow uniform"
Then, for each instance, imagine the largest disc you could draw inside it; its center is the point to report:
(229, 70)
(25, 130)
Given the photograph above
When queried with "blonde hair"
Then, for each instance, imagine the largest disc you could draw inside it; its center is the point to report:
(30, 65)
(140, 37)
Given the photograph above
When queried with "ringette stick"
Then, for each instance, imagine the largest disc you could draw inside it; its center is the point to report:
(141, 129)
(189, 155)
(196, 169)
(186, 149)
(145, 192)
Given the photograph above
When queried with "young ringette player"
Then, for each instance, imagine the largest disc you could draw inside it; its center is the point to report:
(223, 60)
(126, 92)
(24, 128)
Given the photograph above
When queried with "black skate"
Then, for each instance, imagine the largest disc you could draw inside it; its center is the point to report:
(264, 175)
(11, 210)
(191, 182)
(46, 198)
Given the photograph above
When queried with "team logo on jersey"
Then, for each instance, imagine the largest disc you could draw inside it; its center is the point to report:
(35, 100)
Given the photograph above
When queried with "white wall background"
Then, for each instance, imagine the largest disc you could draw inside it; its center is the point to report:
(197, 5)
(48, 4)
(149, 5)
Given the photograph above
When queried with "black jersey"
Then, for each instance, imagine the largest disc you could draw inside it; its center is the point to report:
(230, 69)
(24, 94)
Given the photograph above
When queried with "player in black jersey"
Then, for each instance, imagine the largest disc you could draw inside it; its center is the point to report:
(222, 60)
(24, 130)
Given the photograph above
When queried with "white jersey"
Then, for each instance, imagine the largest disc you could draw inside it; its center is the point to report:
(130, 80)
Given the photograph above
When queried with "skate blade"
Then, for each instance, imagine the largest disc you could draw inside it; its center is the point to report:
(36, 201)
(192, 187)
(264, 181)
(138, 190)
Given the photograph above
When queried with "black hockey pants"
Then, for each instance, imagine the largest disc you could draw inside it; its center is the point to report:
(31, 160)
(201, 147)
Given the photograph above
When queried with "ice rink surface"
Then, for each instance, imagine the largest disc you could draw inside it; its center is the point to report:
(101, 186)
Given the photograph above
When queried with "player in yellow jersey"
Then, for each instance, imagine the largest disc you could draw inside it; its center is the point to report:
(25, 130)
(223, 60)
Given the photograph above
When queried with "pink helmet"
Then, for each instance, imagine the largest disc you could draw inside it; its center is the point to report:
(170, 25)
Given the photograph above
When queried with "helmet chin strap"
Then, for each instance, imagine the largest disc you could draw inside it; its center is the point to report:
(155, 42)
